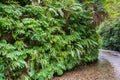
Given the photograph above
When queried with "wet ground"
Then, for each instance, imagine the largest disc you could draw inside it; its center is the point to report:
(107, 68)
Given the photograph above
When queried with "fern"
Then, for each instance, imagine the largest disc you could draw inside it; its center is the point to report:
(37, 42)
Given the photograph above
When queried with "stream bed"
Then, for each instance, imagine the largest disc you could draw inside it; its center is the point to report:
(106, 68)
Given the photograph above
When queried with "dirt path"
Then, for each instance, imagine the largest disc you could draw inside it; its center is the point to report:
(107, 68)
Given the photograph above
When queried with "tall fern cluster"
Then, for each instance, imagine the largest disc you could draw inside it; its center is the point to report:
(37, 42)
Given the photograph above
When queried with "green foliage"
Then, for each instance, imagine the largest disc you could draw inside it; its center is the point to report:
(110, 29)
(20, 2)
(100, 5)
(110, 32)
(34, 44)
(112, 7)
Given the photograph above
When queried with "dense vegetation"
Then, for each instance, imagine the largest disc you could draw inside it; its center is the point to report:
(111, 35)
(37, 42)
(110, 29)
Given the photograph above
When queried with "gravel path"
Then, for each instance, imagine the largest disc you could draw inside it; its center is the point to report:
(107, 68)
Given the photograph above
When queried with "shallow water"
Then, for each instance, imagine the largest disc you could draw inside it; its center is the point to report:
(107, 68)
(114, 59)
